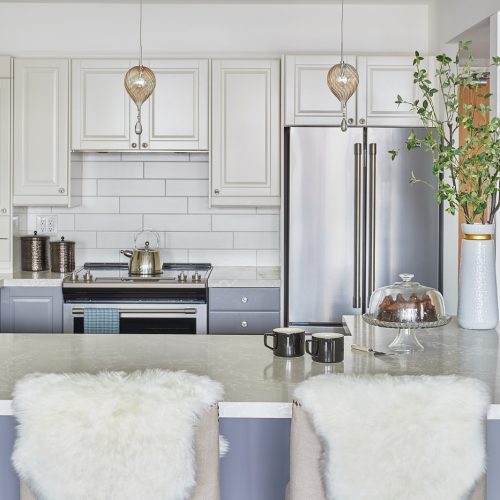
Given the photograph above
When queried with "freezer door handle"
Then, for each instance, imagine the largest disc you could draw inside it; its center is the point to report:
(358, 200)
(372, 153)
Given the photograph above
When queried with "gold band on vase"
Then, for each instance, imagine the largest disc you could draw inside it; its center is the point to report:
(477, 236)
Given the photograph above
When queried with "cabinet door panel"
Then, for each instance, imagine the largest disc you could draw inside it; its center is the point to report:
(5, 120)
(102, 109)
(308, 100)
(178, 108)
(4, 227)
(384, 79)
(41, 155)
(245, 132)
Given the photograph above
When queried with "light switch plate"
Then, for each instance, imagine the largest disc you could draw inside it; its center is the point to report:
(46, 224)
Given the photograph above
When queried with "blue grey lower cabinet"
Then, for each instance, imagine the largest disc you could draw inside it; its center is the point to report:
(243, 310)
(31, 310)
(257, 464)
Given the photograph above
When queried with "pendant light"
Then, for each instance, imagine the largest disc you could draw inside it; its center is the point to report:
(343, 78)
(139, 81)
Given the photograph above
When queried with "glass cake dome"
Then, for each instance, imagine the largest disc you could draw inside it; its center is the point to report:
(406, 305)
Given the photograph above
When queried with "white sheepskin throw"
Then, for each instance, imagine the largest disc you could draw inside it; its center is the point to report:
(398, 438)
(110, 436)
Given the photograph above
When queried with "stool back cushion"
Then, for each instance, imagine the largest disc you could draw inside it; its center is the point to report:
(411, 438)
(112, 435)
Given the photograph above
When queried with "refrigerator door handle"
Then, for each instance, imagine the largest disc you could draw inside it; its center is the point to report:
(358, 200)
(372, 152)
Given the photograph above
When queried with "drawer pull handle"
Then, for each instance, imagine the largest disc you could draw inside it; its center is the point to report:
(244, 300)
(244, 324)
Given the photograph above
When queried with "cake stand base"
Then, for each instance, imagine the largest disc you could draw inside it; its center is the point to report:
(406, 341)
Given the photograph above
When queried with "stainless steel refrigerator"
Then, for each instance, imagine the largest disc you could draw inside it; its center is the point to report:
(353, 221)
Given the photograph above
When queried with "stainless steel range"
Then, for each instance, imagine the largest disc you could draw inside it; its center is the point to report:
(174, 301)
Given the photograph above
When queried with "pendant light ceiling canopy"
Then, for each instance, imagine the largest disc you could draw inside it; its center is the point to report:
(140, 81)
(343, 79)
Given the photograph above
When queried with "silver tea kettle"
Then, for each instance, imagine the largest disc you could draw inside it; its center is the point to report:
(144, 261)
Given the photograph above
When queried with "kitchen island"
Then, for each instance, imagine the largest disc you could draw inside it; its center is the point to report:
(258, 386)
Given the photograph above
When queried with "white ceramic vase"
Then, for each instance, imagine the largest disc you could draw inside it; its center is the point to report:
(477, 289)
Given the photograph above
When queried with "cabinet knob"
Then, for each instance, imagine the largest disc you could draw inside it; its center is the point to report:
(216, 191)
(134, 144)
(350, 121)
(62, 190)
(144, 144)
(362, 121)
(244, 324)
(244, 300)
(4, 210)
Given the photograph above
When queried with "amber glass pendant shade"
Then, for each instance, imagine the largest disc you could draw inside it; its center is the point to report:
(343, 80)
(140, 82)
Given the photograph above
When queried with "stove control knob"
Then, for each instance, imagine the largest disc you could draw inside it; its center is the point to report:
(74, 276)
(88, 276)
(196, 276)
(182, 276)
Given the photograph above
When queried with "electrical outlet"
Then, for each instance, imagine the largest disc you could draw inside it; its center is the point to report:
(46, 224)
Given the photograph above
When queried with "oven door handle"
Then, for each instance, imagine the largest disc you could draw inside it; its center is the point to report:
(78, 311)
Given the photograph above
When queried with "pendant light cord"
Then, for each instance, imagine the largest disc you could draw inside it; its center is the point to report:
(341, 33)
(140, 34)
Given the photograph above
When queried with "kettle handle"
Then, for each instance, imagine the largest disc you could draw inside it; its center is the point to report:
(148, 230)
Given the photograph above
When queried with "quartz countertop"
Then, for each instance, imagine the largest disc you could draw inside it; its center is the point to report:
(257, 384)
(27, 278)
(254, 277)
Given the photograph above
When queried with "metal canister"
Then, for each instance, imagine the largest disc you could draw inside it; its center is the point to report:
(62, 256)
(35, 253)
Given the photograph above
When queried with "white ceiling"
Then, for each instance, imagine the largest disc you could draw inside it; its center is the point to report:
(359, 2)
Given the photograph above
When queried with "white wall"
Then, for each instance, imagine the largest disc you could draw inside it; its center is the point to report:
(124, 193)
(450, 18)
(98, 28)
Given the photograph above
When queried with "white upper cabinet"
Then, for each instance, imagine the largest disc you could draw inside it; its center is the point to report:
(174, 118)
(102, 111)
(382, 79)
(41, 132)
(308, 100)
(178, 108)
(245, 152)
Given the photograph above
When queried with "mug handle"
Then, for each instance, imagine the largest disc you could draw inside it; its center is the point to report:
(309, 343)
(273, 335)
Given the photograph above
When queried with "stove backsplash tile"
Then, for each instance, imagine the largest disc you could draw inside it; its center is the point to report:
(125, 192)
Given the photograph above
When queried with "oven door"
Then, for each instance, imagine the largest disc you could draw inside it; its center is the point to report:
(144, 318)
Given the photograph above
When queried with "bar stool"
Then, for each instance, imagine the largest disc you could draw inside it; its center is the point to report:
(201, 395)
(320, 441)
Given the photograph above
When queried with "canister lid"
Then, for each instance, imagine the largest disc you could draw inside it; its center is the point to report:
(35, 237)
(63, 242)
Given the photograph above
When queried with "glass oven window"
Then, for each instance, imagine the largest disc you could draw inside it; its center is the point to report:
(149, 325)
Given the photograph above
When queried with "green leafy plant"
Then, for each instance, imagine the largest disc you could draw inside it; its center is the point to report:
(468, 174)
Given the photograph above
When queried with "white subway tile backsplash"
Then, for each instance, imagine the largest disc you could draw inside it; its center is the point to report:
(256, 239)
(176, 170)
(93, 205)
(129, 187)
(199, 205)
(122, 193)
(178, 222)
(112, 170)
(110, 222)
(268, 257)
(224, 257)
(186, 187)
(198, 239)
(152, 205)
(245, 222)
(151, 156)
(116, 239)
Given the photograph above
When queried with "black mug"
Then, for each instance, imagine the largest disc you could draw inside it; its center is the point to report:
(326, 347)
(287, 342)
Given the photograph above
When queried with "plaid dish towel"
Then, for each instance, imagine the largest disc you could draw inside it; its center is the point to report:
(101, 320)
